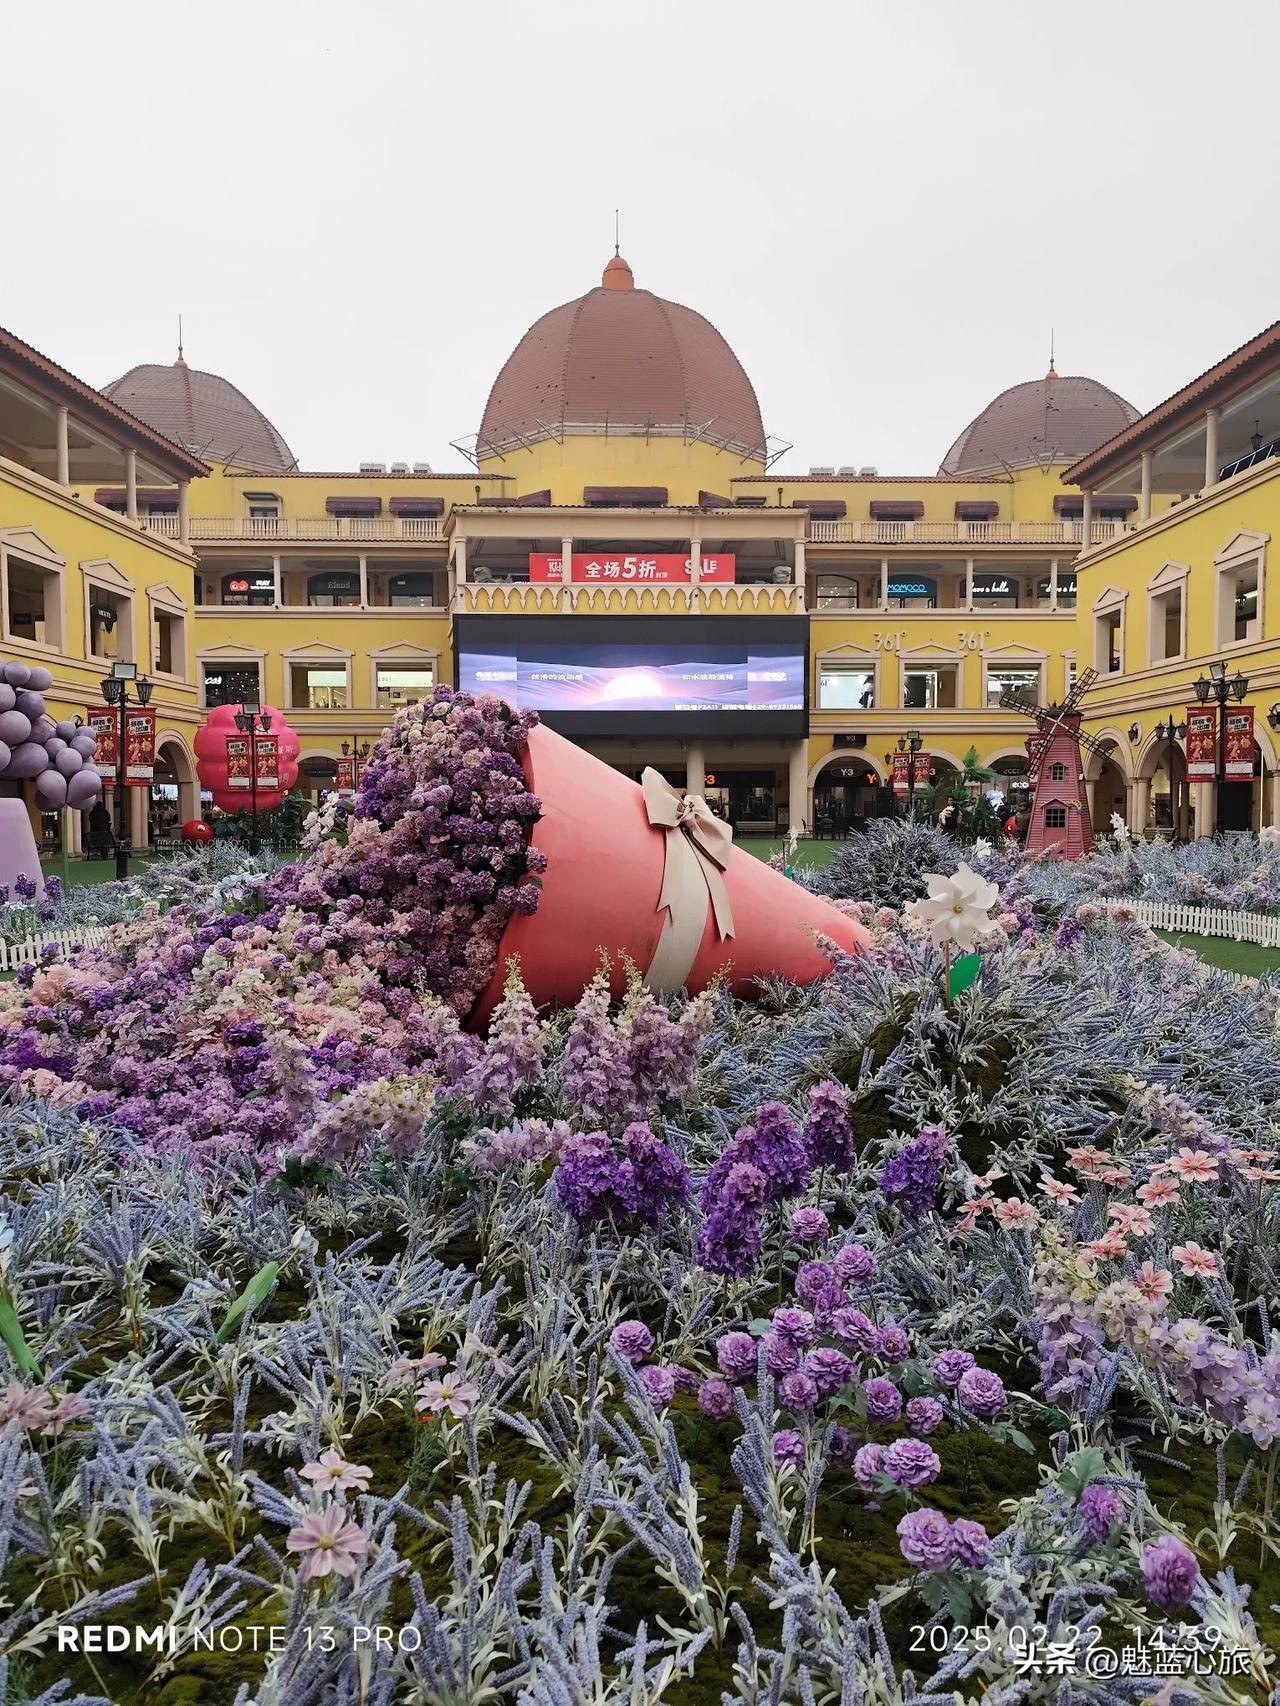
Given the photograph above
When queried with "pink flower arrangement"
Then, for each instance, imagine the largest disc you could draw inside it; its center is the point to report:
(1195, 1261)
(330, 1543)
(1194, 1166)
(331, 1472)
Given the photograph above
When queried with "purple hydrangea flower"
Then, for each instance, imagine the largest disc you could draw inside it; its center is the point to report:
(970, 1544)
(631, 1340)
(982, 1393)
(855, 1264)
(1068, 934)
(868, 1462)
(659, 1384)
(715, 1398)
(950, 1367)
(812, 1278)
(829, 1369)
(781, 1353)
(686, 1380)
(1169, 1573)
(827, 1302)
(788, 1447)
(810, 1226)
(924, 1539)
(794, 1324)
(884, 1401)
(840, 1447)
(855, 1329)
(660, 1179)
(828, 1132)
(797, 1392)
(892, 1344)
(736, 1356)
(914, 1175)
(779, 1153)
(729, 1238)
(912, 1463)
(925, 1415)
(1101, 1508)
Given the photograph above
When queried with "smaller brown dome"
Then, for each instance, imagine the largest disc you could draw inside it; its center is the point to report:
(203, 412)
(1054, 419)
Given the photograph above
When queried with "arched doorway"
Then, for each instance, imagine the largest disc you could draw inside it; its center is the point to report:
(175, 792)
(1168, 811)
(846, 792)
(317, 775)
(1107, 786)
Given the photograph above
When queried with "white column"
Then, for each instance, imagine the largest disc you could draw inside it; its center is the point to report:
(64, 448)
(1210, 448)
(184, 511)
(1144, 501)
(74, 830)
(1090, 793)
(798, 787)
(884, 583)
(695, 768)
(1139, 806)
(1086, 522)
(1274, 781)
(460, 558)
(800, 569)
(364, 583)
(1053, 584)
(138, 838)
(1204, 811)
(277, 575)
(131, 484)
(566, 562)
(968, 583)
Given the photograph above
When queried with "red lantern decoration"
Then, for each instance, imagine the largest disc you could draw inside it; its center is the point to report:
(196, 831)
(224, 757)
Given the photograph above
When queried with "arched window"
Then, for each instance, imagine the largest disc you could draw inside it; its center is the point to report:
(837, 592)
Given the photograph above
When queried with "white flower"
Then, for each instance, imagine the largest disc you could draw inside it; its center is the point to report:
(1269, 836)
(981, 848)
(957, 909)
(1120, 829)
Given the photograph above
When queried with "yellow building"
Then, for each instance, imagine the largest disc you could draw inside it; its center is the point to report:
(1185, 588)
(81, 588)
(623, 555)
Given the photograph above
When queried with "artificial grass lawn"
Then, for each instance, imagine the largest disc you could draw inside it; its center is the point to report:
(84, 873)
(1244, 957)
(808, 851)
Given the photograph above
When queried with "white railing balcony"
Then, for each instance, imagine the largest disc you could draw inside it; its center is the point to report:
(960, 532)
(428, 529)
(763, 598)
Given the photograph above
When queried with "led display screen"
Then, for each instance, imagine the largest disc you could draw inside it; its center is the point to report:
(581, 673)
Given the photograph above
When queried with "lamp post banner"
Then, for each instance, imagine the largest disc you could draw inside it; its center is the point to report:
(346, 773)
(238, 761)
(1239, 743)
(1202, 743)
(902, 771)
(102, 720)
(268, 761)
(139, 746)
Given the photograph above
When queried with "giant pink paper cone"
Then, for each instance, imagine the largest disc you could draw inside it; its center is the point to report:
(605, 864)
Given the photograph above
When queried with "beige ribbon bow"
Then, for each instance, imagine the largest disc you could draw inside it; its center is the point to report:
(698, 849)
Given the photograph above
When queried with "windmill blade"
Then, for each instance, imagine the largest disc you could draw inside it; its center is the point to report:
(1081, 685)
(1016, 699)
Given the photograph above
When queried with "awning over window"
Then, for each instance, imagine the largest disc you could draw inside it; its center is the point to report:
(1102, 505)
(823, 509)
(530, 500)
(626, 497)
(713, 500)
(353, 506)
(416, 506)
(987, 510)
(146, 495)
(888, 511)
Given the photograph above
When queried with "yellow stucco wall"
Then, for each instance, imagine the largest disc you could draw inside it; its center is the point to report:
(565, 468)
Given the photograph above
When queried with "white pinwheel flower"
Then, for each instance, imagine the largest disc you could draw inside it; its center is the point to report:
(957, 909)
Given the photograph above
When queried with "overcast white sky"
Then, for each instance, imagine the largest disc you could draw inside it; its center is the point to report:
(884, 207)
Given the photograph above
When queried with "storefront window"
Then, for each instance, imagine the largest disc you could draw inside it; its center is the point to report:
(414, 591)
(329, 590)
(1026, 682)
(929, 689)
(912, 592)
(837, 592)
(248, 589)
(994, 592)
(841, 688)
(403, 684)
(316, 687)
(223, 686)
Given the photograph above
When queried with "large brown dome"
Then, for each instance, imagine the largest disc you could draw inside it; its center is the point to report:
(203, 412)
(627, 361)
(1042, 420)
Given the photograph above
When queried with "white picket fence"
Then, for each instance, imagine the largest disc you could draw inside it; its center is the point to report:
(1260, 927)
(29, 950)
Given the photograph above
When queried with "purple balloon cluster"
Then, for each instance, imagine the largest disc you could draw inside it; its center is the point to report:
(58, 757)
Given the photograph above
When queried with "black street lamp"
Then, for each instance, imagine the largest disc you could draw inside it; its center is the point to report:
(1173, 733)
(115, 692)
(1222, 688)
(911, 743)
(357, 753)
(251, 720)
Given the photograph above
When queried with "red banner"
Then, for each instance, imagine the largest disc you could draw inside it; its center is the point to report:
(1238, 739)
(238, 761)
(139, 746)
(1202, 743)
(268, 750)
(902, 771)
(652, 570)
(105, 723)
(346, 773)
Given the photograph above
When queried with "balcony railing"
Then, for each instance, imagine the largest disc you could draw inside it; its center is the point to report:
(539, 598)
(428, 528)
(960, 532)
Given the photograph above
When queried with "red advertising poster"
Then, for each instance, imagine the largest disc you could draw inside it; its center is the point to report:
(657, 570)
(104, 722)
(238, 761)
(346, 773)
(902, 771)
(1238, 740)
(1202, 743)
(268, 750)
(139, 746)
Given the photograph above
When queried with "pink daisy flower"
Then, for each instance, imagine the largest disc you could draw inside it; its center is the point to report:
(1154, 1283)
(1131, 1218)
(330, 1542)
(1193, 1259)
(1058, 1189)
(1112, 1244)
(1015, 1216)
(451, 1394)
(1158, 1193)
(1194, 1166)
(333, 1473)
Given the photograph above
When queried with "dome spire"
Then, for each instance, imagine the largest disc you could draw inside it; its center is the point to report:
(1053, 372)
(180, 362)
